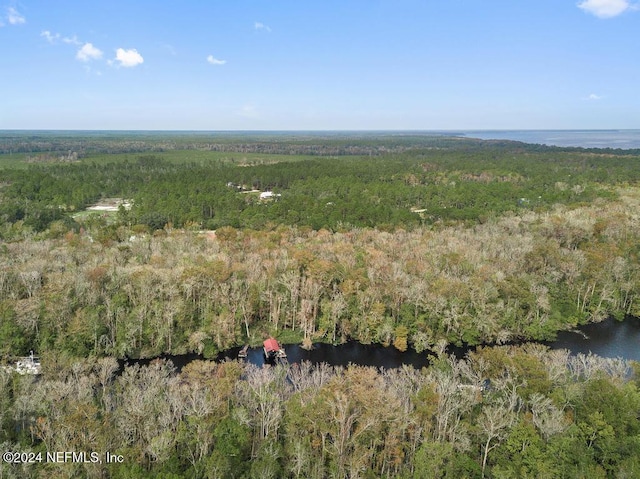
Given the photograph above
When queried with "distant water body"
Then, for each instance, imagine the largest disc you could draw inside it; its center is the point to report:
(625, 139)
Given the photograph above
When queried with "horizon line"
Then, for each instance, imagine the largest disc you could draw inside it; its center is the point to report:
(391, 130)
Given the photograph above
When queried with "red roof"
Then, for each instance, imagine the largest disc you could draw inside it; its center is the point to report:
(271, 345)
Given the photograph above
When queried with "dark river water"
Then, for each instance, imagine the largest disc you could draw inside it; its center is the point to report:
(343, 355)
(609, 338)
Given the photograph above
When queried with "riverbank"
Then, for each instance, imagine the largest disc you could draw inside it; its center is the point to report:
(609, 339)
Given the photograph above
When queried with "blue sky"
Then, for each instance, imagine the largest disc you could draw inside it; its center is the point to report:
(319, 65)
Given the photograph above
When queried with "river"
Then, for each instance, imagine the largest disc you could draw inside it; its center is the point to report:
(610, 338)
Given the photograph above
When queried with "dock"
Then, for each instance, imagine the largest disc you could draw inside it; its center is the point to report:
(273, 352)
(242, 354)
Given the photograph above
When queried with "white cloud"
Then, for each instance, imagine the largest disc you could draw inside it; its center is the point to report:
(215, 61)
(71, 41)
(54, 38)
(88, 52)
(49, 36)
(128, 58)
(594, 97)
(606, 8)
(261, 26)
(14, 17)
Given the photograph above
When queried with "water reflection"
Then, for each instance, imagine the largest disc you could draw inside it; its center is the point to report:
(609, 338)
(343, 355)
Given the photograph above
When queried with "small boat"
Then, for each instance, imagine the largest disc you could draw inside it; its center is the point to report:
(28, 365)
(273, 351)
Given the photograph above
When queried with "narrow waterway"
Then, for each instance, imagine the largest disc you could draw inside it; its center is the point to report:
(343, 355)
(609, 338)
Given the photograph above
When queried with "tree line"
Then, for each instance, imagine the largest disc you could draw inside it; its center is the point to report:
(119, 291)
(416, 187)
(502, 412)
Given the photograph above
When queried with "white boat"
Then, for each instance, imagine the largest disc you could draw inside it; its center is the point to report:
(28, 365)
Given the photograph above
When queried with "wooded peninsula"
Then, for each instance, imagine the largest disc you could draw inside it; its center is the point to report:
(135, 245)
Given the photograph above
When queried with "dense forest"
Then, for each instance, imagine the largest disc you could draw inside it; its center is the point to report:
(403, 240)
(386, 190)
(544, 415)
